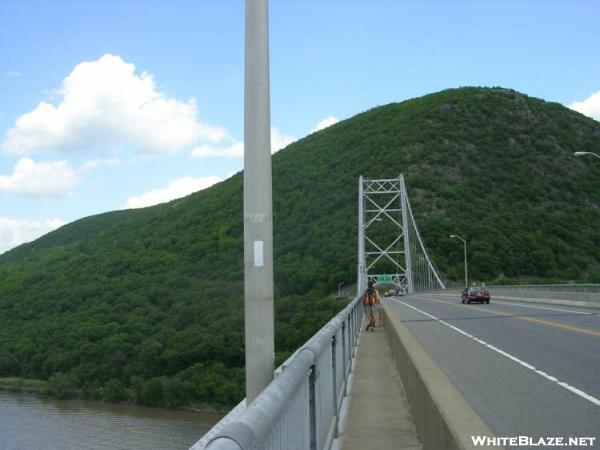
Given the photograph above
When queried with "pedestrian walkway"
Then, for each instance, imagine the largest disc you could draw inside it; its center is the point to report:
(378, 416)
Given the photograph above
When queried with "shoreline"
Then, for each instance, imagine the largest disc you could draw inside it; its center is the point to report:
(39, 388)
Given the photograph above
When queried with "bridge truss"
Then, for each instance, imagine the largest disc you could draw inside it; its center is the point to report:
(390, 248)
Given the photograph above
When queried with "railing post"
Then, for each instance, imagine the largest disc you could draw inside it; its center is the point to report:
(312, 408)
(352, 327)
(334, 378)
(356, 328)
(344, 354)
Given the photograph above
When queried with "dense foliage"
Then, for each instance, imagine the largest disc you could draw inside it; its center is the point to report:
(149, 302)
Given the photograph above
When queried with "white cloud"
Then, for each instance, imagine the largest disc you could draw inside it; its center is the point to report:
(326, 122)
(45, 179)
(104, 105)
(176, 189)
(280, 140)
(590, 106)
(14, 232)
(95, 163)
(13, 74)
(236, 148)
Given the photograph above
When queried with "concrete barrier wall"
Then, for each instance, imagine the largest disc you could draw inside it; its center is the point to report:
(585, 299)
(443, 418)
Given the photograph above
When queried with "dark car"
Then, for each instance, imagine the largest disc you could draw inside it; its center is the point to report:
(475, 294)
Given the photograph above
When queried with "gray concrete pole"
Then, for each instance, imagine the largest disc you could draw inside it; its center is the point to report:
(407, 240)
(456, 236)
(258, 217)
(361, 281)
(466, 271)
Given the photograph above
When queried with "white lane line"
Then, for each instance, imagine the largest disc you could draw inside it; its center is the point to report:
(555, 380)
(543, 307)
(531, 306)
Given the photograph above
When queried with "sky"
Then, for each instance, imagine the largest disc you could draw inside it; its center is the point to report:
(108, 105)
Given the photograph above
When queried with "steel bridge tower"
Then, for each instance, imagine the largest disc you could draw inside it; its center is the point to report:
(390, 249)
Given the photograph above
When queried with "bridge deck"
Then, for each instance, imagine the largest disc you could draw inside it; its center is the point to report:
(378, 416)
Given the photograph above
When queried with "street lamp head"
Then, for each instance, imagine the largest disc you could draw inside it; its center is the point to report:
(587, 153)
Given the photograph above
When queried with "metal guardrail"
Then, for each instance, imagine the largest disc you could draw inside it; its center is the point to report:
(585, 288)
(300, 408)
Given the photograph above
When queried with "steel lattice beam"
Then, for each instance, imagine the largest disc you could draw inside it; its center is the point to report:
(387, 200)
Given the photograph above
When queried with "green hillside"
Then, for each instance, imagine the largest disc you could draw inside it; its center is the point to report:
(152, 299)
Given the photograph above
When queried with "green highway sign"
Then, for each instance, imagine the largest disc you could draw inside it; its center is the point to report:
(384, 279)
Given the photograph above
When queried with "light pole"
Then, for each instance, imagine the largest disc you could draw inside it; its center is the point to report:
(340, 284)
(587, 153)
(258, 217)
(465, 248)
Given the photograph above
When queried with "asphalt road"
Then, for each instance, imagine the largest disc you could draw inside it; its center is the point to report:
(527, 370)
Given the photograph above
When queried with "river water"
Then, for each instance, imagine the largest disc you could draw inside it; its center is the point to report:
(28, 422)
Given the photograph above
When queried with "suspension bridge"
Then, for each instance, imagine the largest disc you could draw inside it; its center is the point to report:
(384, 213)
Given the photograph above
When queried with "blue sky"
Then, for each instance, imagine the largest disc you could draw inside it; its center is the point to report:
(113, 104)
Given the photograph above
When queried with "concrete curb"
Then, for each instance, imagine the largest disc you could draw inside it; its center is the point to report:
(443, 418)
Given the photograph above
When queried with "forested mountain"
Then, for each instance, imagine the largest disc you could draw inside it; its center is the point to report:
(152, 299)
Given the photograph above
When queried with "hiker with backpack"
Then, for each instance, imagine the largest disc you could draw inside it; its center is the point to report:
(370, 303)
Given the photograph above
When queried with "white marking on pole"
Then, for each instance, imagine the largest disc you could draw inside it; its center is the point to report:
(258, 254)
(555, 380)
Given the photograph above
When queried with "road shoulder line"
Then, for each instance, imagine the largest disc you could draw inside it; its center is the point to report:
(520, 317)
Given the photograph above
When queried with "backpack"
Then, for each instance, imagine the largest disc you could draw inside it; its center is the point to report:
(370, 297)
